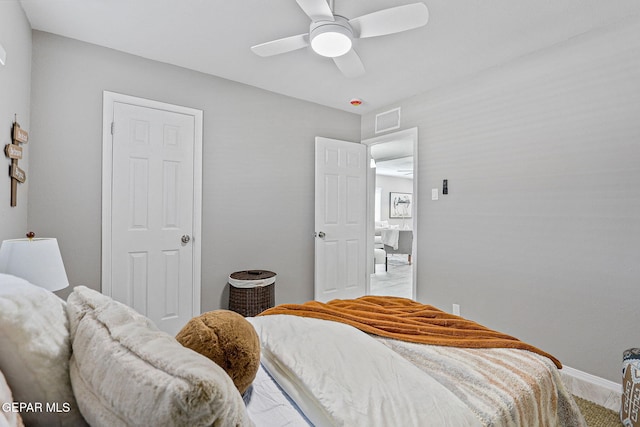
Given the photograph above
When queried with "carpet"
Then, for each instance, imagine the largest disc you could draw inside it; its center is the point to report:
(596, 415)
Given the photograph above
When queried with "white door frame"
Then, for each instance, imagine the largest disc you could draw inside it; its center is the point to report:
(109, 98)
(411, 133)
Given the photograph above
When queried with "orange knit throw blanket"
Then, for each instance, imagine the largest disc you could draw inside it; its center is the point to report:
(407, 320)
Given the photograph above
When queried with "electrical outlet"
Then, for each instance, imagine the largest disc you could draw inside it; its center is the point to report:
(456, 309)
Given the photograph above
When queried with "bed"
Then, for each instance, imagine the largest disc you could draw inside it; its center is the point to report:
(372, 361)
(386, 361)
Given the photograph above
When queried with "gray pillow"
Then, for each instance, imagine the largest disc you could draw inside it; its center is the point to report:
(34, 353)
(124, 371)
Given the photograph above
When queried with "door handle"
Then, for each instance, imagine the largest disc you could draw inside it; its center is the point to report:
(321, 235)
(186, 238)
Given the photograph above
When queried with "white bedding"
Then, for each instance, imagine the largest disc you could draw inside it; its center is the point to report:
(269, 406)
(340, 376)
(380, 387)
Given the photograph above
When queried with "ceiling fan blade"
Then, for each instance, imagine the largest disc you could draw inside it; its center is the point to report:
(317, 10)
(284, 45)
(350, 64)
(389, 21)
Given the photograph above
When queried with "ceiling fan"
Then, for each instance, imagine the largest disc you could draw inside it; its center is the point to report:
(332, 35)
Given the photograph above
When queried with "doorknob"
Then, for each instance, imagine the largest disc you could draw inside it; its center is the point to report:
(186, 238)
(321, 235)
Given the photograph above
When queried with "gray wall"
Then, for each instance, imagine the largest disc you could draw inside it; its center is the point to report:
(15, 84)
(540, 233)
(538, 236)
(258, 163)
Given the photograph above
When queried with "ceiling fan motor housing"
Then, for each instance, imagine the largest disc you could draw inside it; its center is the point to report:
(331, 38)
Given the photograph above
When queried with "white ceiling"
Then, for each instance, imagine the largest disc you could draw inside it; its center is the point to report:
(401, 167)
(461, 38)
(398, 148)
(394, 158)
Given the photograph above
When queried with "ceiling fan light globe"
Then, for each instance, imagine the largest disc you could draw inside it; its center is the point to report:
(331, 40)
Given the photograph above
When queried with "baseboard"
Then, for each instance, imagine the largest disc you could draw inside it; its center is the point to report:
(590, 387)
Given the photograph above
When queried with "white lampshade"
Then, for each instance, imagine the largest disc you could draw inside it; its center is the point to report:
(35, 260)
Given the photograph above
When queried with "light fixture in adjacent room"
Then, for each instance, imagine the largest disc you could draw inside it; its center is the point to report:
(3, 55)
(331, 38)
(37, 260)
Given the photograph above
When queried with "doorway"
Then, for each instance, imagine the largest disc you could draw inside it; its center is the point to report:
(391, 214)
(151, 198)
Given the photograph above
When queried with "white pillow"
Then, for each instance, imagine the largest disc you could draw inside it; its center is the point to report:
(125, 371)
(34, 352)
(8, 417)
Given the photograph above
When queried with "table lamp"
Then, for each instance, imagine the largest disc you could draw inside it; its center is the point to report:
(37, 260)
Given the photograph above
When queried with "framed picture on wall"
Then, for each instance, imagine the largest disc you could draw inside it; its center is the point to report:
(400, 205)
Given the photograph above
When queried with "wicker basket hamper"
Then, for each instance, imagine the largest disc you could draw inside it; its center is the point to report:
(251, 291)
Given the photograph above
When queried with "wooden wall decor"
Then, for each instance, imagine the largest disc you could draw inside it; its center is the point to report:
(14, 152)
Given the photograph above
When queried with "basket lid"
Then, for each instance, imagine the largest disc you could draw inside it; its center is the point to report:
(252, 275)
(252, 278)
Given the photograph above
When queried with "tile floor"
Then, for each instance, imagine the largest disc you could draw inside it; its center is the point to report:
(396, 281)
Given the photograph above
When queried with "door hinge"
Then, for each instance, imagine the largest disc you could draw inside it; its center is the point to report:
(113, 125)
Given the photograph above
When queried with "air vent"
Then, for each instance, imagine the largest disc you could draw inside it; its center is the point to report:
(388, 120)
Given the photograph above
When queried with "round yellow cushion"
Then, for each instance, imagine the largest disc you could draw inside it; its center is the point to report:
(229, 340)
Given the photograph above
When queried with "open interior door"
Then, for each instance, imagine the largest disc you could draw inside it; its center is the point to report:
(340, 219)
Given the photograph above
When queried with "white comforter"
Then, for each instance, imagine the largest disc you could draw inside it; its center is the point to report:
(377, 387)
